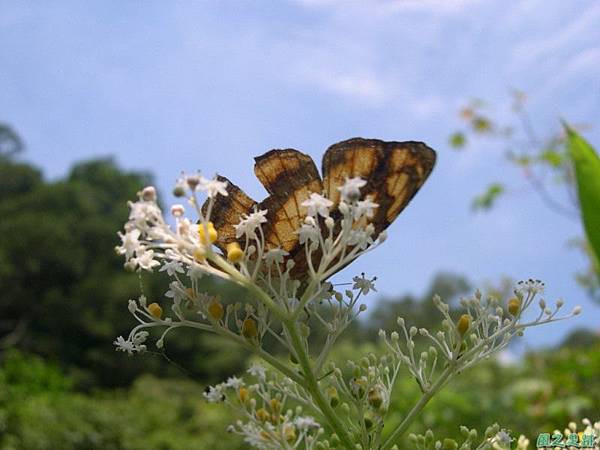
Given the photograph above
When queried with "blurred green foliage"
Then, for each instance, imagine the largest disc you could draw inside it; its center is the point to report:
(546, 162)
(63, 291)
(587, 174)
(40, 410)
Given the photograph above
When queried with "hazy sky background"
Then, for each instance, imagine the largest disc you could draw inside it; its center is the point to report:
(171, 86)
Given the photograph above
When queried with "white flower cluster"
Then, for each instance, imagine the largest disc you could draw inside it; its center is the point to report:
(186, 252)
(268, 423)
(494, 439)
(486, 328)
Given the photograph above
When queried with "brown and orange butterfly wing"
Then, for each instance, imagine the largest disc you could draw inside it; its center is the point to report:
(394, 172)
(227, 211)
(289, 176)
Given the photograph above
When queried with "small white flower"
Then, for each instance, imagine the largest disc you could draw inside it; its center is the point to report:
(305, 423)
(234, 383)
(317, 205)
(124, 345)
(132, 306)
(250, 223)
(308, 232)
(275, 255)
(146, 260)
(195, 271)
(143, 212)
(139, 338)
(503, 437)
(142, 300)
(215, 394)
(172, 267)
(350, 190)
(365, 208)
(176, 292)
(130, 243)
(258, 371)
(361, 238)
(364, 284)
(213, 187)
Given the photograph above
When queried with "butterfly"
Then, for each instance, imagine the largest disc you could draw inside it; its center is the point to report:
(393, 171)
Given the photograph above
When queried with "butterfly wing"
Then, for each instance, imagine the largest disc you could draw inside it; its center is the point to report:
(227, 211)
(290, 177)
(394, 172)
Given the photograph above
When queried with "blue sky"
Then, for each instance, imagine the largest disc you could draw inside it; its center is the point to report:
(171, 86)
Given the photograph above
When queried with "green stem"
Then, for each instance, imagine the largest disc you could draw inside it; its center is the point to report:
(228, 334)
(312, 385)
(414, 412)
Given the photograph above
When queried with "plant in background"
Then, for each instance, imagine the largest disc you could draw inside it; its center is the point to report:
(283, 252)
(562, 168)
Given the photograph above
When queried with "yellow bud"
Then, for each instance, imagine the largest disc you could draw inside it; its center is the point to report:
(212, 233)
(244, 394)
(249, 328)
(374, 397)
(463, 324)
(216, 310)
(289, 432)
(262, 414)
(234, 252)
(514, 306)
(275, 405)
(334, 398)
(200, 253)
(155, 310)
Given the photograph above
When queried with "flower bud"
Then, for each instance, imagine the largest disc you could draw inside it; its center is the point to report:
(177, 210)
(275, 405)
(262, 414)
(449, 444)
(216, 310)
(369, 420)
(234, 252)
(200, 253)
(375, 398)
(244, 394)
(289, 432)
(514, 306)
(210, 229)
(464, 323)
(249, 328)
(149, 194)
(155, 310)
(193, 181)
(179, 191)
(334, 398)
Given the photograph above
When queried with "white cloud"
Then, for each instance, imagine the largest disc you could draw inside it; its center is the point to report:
(359, 85)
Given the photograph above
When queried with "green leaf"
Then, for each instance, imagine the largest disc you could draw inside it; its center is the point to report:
(489, 197)
(587, 173)
(458, 140)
